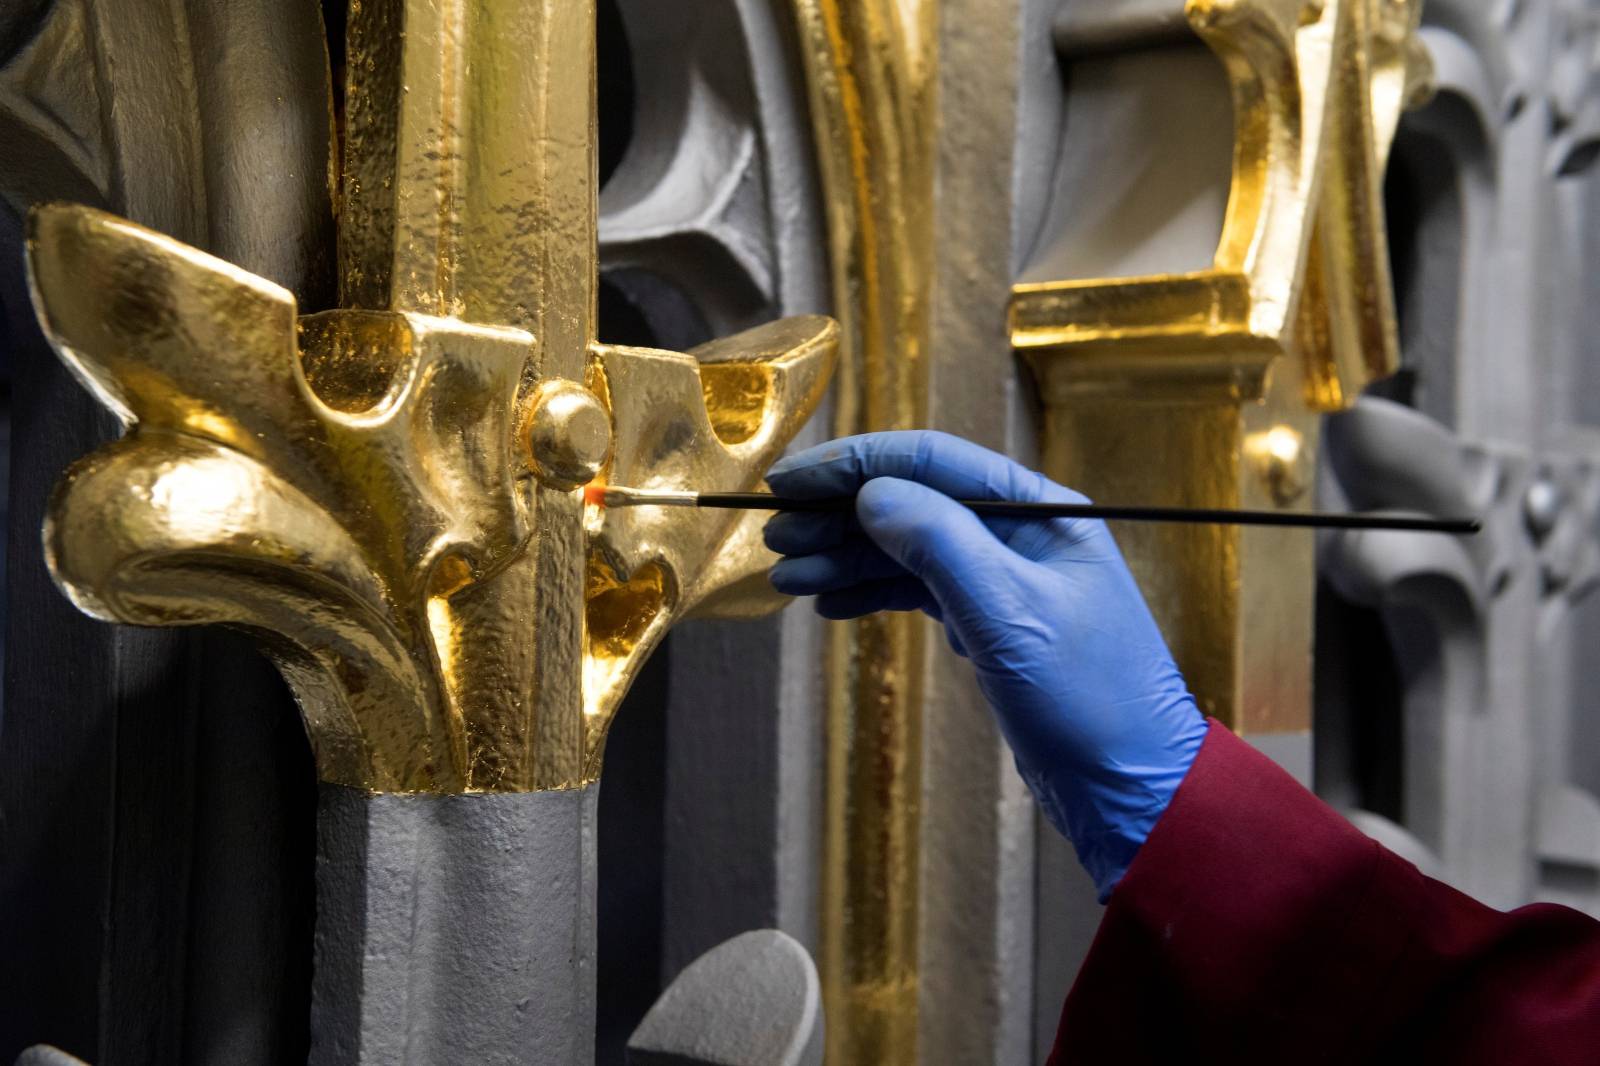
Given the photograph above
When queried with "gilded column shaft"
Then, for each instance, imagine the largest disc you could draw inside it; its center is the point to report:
(464, 196)
(871, 71)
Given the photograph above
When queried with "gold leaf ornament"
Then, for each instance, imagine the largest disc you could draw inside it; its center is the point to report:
(360, 487)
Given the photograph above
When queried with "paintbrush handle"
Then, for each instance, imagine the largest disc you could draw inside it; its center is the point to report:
(762, 501)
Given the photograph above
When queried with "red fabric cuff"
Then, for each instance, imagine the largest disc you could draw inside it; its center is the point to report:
(1254, 917)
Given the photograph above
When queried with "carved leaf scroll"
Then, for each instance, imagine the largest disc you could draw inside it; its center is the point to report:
(344, 482)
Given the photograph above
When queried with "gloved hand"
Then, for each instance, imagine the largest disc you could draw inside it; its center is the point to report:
(1100, 722)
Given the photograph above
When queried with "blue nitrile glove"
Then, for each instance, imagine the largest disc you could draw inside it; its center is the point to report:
(1087, 695)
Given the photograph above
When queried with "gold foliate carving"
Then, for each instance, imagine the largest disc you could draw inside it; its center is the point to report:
(1189, 388)
(871, 67)
(388, 492)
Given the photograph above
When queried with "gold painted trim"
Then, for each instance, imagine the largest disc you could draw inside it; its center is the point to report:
(871, 70)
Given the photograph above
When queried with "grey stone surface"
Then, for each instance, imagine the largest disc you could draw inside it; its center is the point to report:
(975, 992)
(1433, 594)
(1141, 184)
(1085, 27)
(751, 1001)
(1498, 746)
(723, 762)
(1068, 916)
(716, 194)
(455, 928)
(1292, 751)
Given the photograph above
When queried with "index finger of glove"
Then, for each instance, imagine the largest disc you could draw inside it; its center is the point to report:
(948, 464)
(940, 542)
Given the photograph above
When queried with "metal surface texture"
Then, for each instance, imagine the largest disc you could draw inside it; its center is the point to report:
(1201, 385)
(385, 490)
(872, 77)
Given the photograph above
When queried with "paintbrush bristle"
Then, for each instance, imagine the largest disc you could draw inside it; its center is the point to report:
(618, 496)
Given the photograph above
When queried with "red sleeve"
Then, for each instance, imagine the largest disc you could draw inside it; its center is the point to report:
(1256, 925)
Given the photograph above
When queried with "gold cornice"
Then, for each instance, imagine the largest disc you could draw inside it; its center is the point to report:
(1279, 75)
(1317, 91)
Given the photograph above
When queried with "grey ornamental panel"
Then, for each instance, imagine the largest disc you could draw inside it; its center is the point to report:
(1460, 757)
(1562, 518)
(1562, 511)
(1431, 597)
(1488, 774)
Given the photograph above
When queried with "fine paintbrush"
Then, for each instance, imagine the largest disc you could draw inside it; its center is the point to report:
(616, 496)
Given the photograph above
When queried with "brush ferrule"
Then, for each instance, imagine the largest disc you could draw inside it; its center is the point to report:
(621, 497)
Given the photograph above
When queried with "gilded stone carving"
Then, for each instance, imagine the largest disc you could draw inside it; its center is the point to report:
(871, 70)
(1202, 387)
(388, 491)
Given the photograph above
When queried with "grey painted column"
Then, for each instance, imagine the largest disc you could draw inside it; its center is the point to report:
(454, 928)
(977, 852)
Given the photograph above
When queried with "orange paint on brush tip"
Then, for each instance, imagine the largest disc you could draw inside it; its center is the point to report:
(594, 495)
